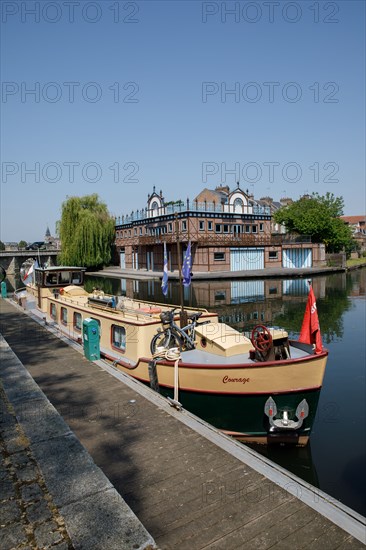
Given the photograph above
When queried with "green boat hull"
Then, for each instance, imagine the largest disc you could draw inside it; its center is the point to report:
(243, 415)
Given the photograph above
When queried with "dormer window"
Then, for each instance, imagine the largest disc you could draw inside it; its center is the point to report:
(238, 205)
(155, 208)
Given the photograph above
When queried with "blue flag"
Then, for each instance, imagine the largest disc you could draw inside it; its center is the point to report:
(187, 266)
(164, 282)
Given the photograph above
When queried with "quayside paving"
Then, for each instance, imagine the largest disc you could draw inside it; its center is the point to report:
(190, 490)
(52, 495)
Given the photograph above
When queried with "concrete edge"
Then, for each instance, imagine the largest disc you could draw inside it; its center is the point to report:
(95, 514)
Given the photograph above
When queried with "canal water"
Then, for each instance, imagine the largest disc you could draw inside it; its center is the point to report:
(335, 459)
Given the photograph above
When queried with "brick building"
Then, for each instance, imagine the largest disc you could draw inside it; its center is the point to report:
(229, 231)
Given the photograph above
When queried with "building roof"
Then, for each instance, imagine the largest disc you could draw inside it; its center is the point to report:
(353, 219)
(220, 194)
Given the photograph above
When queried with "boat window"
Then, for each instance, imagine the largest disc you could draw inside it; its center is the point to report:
(64, 316)
(77, 321)
(51, 279)
(76, 277)
(119, 337)
(53, 311)
(64, 277)
(39, 278)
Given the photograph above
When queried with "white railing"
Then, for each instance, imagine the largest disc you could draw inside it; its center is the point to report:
(194, 206)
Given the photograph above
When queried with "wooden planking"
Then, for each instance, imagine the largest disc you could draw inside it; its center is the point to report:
(188, 492)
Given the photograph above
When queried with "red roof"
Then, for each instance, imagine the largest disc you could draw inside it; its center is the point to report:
(353, 219)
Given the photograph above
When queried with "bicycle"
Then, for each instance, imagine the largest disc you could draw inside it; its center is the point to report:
(172, 336)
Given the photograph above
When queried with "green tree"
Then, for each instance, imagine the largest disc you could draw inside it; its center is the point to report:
(86, 232)
(2, 245)
(22, 244)
(318, 217)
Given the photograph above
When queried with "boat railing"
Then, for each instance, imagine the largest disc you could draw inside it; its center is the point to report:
(120, 309)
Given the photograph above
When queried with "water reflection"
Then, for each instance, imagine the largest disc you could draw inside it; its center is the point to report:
(246, 303)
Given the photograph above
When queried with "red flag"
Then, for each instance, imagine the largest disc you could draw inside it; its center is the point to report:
(310, 330)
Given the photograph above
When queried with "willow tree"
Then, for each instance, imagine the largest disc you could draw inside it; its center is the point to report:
(86, 231)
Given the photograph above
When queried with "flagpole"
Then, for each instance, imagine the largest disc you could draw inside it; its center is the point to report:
(183, 316)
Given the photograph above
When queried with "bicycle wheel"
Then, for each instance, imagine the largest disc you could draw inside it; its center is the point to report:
(160, 340)
(175, 341)
(167, 340)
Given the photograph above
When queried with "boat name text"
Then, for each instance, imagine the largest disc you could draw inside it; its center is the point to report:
(227, 379)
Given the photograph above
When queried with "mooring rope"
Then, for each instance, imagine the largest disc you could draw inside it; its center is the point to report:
(172, 354)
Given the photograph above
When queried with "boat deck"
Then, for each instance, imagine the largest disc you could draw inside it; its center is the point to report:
(141, 312)
(190, 486)
(205, 358)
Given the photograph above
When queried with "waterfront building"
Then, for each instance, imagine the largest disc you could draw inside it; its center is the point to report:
(229, 231)
(358, 226)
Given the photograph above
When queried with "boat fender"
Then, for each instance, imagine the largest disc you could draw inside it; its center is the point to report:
(153, 376)
(62, 290)
(150, 309)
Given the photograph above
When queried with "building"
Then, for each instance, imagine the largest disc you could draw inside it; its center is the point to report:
(229, 231)
(358, 226)
(50, 241)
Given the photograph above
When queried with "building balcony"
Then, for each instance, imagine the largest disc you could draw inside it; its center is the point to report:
(215, 239)
(188, 207)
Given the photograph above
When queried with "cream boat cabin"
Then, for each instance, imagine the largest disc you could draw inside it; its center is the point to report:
(254, 396)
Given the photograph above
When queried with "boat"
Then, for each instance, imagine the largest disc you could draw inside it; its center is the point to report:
(261, 389)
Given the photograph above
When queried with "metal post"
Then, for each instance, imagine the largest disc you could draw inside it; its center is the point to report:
(183, 315)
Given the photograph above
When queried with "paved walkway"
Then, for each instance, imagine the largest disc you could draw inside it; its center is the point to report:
(28, 515)
(52, 495)
(191, 491)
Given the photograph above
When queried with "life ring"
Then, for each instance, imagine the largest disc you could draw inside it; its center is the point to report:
(150, 309)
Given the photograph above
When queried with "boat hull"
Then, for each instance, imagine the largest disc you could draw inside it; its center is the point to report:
(243, 416)
(266, 378)
(234, 397)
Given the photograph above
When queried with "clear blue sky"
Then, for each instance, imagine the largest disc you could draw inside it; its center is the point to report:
(297, 70)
